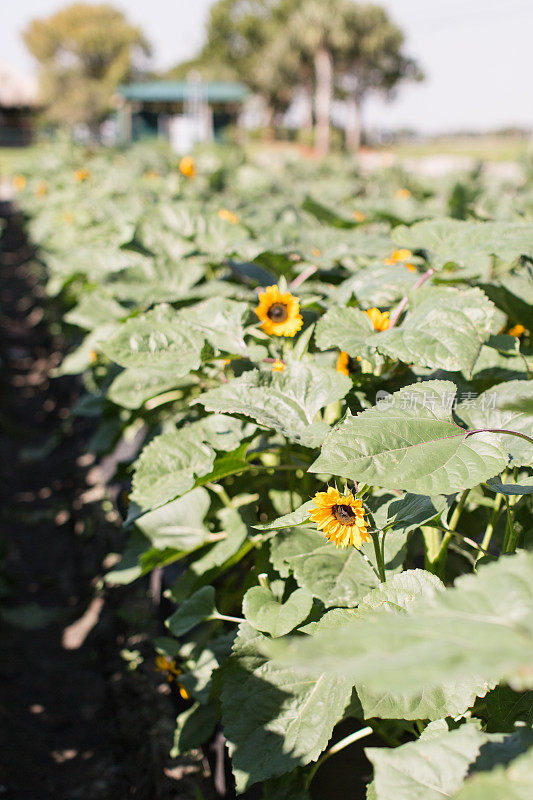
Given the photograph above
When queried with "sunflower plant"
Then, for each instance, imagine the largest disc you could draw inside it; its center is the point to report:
(332, 406)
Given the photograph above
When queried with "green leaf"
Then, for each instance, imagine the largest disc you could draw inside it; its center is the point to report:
(287, 402)
(298, 517)
(482, 627)
(134, 386)
(289, 717)
(267, 614)
(401, 590)
(489, 410)
(178, 524)
(193, 727)
(512, 782)
(345, 328)
(157, 339)
(524, 487)
(411, 442)
(467, 243)
(219, 320)
(192, 611)
(428, 337)
(338, 577)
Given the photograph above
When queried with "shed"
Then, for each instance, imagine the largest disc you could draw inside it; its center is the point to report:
(18, 100)
(182, 111)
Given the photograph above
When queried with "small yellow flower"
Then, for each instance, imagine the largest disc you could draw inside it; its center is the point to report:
(168, 667)
(278, 366)
(516, 330)
(93, 356)
(403, 194)
(411, 267)
(187, 167)
(343, 363)
(19, 182)
(341, 517)
(380, 319)
(68, 217)
(151, 175)
(359, 216)
(40, 189)
(316, 252)
(228, 216)
(279, 313)
(81, 175)
(398, 256)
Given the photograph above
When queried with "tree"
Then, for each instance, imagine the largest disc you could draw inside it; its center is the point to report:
(84, 52)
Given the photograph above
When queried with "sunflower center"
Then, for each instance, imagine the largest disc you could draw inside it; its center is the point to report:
(344, 514)
(277, 312)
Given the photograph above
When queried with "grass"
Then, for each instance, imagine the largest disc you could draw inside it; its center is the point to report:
(486, 148)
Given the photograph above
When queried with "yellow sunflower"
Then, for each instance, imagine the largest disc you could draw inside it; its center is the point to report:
(19, 182)
(187, 167)
(397, 256)
(380, 319)
(278, 366)
(345, 365)
(359, 216)
(168, 667)
(228, 216)
(279, 313)
(81, 175)
(341, 517)
(516, 330)
(403, 194)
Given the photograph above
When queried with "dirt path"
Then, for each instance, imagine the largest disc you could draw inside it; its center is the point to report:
(74, 721)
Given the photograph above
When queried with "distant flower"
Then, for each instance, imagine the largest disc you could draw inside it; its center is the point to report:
(168, 667)
(380, 319)
(516, 330)
(229, 216)
(345, 365)
(403, 194)
(278, 366)
(411, 267)
(397, 256)
(151, 175)
(341, 517)
(279, 313)
(40, 189)
(81, 175)
(68, 217)
(19, 182)
(359, 216)
(187, 167)
(316, 252)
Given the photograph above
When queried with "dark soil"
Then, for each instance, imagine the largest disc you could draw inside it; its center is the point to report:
(76, 721)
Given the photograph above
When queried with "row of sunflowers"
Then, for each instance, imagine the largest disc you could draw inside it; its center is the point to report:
(327, 380)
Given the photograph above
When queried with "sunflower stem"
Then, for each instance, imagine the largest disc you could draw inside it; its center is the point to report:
(440, 560)
(353, 737)
(379, 557)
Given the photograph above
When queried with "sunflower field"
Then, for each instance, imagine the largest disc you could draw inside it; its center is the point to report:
(323, 379)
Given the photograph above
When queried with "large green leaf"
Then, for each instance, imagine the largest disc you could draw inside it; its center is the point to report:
(287, 402)
(411, 442)
(513, 781)
(483, 626)
(219, 320)
(157, 339)
(467, 243)
(179, 524)
(267, 614)
(134, 386)
(193, 727)
(192, 611)
(345, 328)
(289, 716)
(444, 329)
(491, 410)
(338, 577)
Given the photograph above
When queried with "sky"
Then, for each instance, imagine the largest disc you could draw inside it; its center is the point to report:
(476, 55)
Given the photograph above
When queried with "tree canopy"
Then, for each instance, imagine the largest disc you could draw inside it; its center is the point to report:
(84, 52)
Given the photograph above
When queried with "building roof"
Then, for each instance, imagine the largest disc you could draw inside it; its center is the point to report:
(180, 91)
(16, 89)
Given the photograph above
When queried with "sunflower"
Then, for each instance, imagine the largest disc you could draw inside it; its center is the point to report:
(187, 167)
(279, 313)
(228, 216)
(40, 189)
(516, 330)
(19, 182)
(359, 216)
(398, 255)
(380, 319)
(278, 366)
(168, 667)
(81, 175)
(403, 194)
(341, 518)
(345, 365)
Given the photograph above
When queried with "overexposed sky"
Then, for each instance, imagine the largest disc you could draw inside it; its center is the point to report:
(476, 55)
